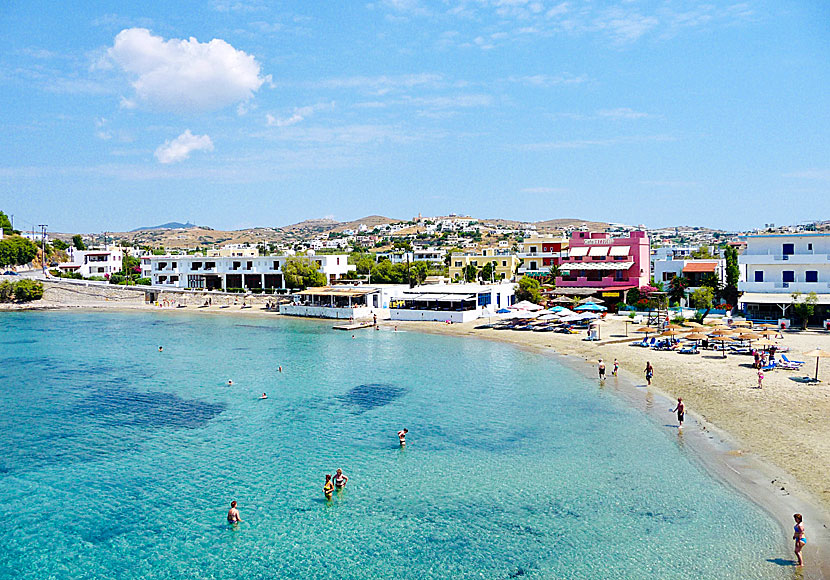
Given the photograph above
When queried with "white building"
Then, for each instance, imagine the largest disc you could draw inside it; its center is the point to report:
(778, 266)
(90, 263)
(344, 302)
(433, 255)
(250, 272)
(452, 302)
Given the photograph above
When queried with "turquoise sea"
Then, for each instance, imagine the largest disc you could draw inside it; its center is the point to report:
(119, 461)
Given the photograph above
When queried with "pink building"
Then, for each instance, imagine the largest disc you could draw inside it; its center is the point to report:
(606, 265)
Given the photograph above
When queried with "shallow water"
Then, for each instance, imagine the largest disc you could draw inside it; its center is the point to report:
(120, 461)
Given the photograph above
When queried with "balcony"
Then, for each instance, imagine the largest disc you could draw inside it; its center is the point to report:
(765, 259)
(606, 281)
(785, 287)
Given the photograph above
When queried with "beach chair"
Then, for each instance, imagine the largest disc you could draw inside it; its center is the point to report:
(689, 350)
(770, 367)
(792, 362)
(788, 366)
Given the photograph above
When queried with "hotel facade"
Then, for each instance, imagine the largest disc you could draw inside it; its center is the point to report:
(777, 266)
(246, 272)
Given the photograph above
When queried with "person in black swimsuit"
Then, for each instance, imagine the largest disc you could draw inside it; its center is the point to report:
(681, 412)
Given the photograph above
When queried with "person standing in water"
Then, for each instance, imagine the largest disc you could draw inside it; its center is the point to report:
(798, 536)
(616, 368)
(340, 480)
(402, 436)
(233, 514)
(328, 487)
(264, 396)
(680, 409)
(649, 372)
(161, 348)
(601, 369)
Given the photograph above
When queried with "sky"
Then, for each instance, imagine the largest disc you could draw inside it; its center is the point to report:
(244, 113)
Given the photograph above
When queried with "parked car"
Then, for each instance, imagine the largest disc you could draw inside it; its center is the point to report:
(10, 273)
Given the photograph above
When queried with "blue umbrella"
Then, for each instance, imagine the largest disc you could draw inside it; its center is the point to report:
(502, 311)
(590, 306)
(557, 309)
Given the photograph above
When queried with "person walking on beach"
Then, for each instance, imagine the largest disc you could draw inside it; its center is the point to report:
(601, 368)
(328, 487)
(340, 480)
(799, 538)
(402, 436)
(680, 409)
(649, 372)
(233, 514)
(616, 368)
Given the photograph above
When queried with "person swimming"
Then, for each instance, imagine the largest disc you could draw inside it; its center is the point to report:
(340, 480)
(279, 368)
(402, 436)
(161, 348)
(233, 514)
(264, 396)
(328, 487)
(230, 382)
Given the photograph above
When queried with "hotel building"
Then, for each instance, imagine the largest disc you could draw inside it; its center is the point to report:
(539, 253)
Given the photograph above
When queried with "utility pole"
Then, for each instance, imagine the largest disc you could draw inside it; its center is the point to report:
(43, 247)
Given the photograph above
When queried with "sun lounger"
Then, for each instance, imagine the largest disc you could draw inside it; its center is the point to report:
(689, 350)
(771, 367)
(794, 362)
(788, 366)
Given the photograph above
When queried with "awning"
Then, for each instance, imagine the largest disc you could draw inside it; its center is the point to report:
(440, 297)
(701, 267)
(619, 251)
(775, 298)
(327, 291)
(578, 251)
(567, 267)
(598, 250)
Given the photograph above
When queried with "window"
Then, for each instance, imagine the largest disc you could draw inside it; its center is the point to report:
(532, 249)
(759, 275)
(534, 266)
(504, 263)
(788, 276)
(811, 276)
(338, 261)
(458, 264)
(788, 249)
(810, 247)
(484, 299)
(667, 276)
(174, 265)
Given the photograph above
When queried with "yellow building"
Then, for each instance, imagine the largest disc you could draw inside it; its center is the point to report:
(505, 264)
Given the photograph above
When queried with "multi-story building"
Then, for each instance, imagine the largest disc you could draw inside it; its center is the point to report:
(505, 264)
(600, 264)
(90, 263)
(451, 302)
(539, 253)
(777, 266)
(251, 272)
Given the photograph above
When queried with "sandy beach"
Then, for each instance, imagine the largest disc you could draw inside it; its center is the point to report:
(775, 436)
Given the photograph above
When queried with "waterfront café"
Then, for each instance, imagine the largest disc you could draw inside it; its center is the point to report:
(451, 302)
(334, 302)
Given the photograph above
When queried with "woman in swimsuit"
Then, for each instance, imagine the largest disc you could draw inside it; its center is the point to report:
(799, 538)
(340, 480)
(328, 487)
(233, 514)
(616, 368)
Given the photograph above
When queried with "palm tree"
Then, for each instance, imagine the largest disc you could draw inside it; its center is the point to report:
(553, 274)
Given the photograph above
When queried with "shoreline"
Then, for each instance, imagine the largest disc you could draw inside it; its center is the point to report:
(719, 452)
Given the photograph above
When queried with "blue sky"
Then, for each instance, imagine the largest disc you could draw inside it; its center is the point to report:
(238, 113)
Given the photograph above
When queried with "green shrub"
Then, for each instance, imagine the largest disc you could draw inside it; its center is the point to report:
(256, 290)
(117, 279)
(96, 279)
(28, 290)
(143, 281)
(6, 291)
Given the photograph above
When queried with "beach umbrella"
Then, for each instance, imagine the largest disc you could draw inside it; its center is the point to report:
(557, 308)
(592, 301)
(767, 326)
(526, 305)
(502, 311)
(747, 336)
(674, 327)
(590, 307)
(818, 353)
(671, 332)
(562, 300)
(695, 336)
(742, 323)
(565, 312)
(721, 334)
(647, 330)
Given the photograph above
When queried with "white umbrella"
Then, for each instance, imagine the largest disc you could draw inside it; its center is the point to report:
(526, 305)
(564, 312)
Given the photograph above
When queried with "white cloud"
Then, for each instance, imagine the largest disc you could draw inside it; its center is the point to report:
(622, 113)
(185, 75)
(298, 115)
(182, 146)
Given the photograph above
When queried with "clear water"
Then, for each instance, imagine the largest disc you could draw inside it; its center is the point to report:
(120, 461)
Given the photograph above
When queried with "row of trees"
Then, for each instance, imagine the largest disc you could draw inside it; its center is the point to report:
(22, 291)
(16, 251)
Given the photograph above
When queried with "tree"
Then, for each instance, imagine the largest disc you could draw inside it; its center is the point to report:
(702, 299)
(487, 272)
(806, 308)
(130, 265)
(632, 297)
(363, 261)
(302, 274)
(28, 290)
(16, 250)
(470, 272)
(78, 242)
(733, 275)
(418, 273)
(6, 224)
(677, 288)
(529, 289)
(702, 253)
(59, 245)
(554, 272)
(711, 281)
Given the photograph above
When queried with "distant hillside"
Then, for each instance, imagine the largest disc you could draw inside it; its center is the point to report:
(167, 226)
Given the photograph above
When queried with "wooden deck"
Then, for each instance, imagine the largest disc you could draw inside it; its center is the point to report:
(353, 326)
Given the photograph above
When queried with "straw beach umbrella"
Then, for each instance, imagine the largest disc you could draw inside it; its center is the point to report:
(742, 323)
(818, 353)
(647, 330)
(721, 334)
